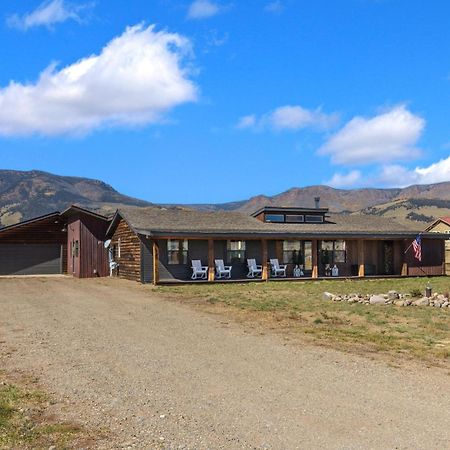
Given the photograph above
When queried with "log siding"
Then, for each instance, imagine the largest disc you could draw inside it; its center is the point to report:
(130, 252)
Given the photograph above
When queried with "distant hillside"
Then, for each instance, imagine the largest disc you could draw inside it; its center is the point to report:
(24, 195)
(414, 209)
(338, 200)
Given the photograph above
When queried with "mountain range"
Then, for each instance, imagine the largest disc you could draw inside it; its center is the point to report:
(24, 195)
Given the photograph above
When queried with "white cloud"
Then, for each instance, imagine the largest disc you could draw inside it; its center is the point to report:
(247, 121)
(135, 79)
(389, 136)
(395, 175)
(290, 118)
(202, 9)
(274, 7)
(345, 180)
(49, 13)
(399, 176)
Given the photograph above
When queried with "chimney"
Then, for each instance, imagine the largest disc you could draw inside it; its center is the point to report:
(317, 202)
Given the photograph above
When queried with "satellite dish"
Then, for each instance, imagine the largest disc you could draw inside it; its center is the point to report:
(107, 243)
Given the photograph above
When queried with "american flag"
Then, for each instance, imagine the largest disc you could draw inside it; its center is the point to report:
(417, 247)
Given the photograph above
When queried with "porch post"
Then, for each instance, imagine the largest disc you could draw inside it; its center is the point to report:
(211, 260)
(315, 268)
(264, 257)
(443, 257)
(405, 263)
(155, 263)
(361, 258)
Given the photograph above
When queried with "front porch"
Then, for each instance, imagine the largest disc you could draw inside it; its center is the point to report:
(353, 258)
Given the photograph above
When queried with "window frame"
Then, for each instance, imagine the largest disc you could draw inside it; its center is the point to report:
(335, 255)
(308, 218)
(302, 220)
(236, 255)
(282, 216)
(181, 250)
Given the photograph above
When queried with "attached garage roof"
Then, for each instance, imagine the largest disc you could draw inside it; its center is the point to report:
(51, 218)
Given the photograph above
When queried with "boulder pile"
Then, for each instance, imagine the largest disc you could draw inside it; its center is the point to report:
(391, 298)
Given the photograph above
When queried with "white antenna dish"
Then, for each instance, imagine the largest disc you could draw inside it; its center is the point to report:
(107, 243)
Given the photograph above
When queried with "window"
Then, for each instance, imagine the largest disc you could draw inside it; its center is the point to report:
(177, 251)
(313, 219)
(235, 251)
(274, 217)
(295, 218)
(339, 252)
(292, 252)
(75, 249)
(333, 252)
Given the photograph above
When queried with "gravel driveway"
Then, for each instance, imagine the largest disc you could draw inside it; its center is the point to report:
(158, 374)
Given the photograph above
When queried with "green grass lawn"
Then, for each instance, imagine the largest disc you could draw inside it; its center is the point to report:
(297, 308)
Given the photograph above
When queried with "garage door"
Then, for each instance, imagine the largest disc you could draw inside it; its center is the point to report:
(30, 259)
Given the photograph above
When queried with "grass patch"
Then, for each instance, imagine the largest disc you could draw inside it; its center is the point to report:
(23, 420)
(298, 308)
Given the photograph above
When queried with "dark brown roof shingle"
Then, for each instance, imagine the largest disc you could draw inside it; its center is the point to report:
(179, 221)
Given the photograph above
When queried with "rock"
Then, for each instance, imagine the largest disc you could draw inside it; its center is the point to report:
(442, 298)
(328, 296)
(399, 303)
(424, 301)
(377, 300)
(445, 304)
(393, 295)
(353, 300)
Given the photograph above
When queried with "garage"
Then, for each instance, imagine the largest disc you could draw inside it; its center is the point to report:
(34, 247)
(30, 259)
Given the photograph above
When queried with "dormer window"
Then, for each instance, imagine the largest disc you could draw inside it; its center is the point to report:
(309, 218)
(291, 215)
(295, 218)
(275, 218)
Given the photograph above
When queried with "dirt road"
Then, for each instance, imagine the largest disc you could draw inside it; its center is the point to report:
(158, 374)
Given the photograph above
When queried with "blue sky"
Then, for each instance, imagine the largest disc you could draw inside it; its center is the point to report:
(215, 101)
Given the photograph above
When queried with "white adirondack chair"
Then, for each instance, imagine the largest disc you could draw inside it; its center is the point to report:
(253, 269)
(277, 269)
(222, 271)
(199, 271)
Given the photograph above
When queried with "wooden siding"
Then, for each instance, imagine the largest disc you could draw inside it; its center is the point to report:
(447, 257)
(146, 261)
(45, 231)
(94, 256)
(130, 252)
(433, 258)
(443, 227)
(73, 236)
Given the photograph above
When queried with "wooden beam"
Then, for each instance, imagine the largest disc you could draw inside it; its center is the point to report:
(155, 263)
(405, 260)
(211, 267)
(405, 269)
(264, 257)
(315, 266)
(361, 258)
